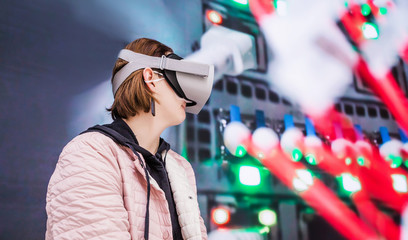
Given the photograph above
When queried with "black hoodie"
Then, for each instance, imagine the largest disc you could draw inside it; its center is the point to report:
(155, 165)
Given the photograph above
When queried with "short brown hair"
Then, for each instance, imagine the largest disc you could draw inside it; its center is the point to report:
(133, 95)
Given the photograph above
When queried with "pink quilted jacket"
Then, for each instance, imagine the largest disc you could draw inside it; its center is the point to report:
(98, 191)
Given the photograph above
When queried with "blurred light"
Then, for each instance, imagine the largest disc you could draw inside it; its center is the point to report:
(361, 161)
(303, 181)
(220, 215)
(214, 17)
(305, 176)
(406, 163)
(299, 185)
(365, 9)
(348, 161)
(399, 183)
(243, 2)
(370, 30)
(296, 155)
(241, 151)
(267, 217)
(249, 175)
(264, 230)
(311, 159)
(350, 183)
(281, 7)
(383, 10)
(396, 161)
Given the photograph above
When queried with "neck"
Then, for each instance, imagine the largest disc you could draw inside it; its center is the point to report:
(147, 130)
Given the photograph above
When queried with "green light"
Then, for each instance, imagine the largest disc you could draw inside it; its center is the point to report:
(311, 159)
(243, 2)
(348, 161)
(399, 183)
(350, 183)
(396, 161)
(240, 151)
(365, 9)
(406, 163)
(383, 10)
(267, 217)
(264, 230)
(370, 30)
(346, 4)
(361, 161)
(296, 155)
(249, 176)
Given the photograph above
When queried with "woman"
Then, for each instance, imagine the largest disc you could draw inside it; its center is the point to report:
(121, 180)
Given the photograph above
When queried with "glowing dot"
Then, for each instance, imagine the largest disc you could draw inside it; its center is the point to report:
(365, 9)
(249, 175)
(267, 217)
(399, 183)
(370, 30)
(296, 155)
(305, 176)
(299, 185)
(243, 2)
(383, 10)
(311, 159)
(214, 17)
(361, 161)
(220, 215)
(396, 161)
(348, 161)
(350, 183)
(241, 151)
(303, 181)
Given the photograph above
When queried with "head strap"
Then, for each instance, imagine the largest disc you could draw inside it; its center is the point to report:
(138, 61)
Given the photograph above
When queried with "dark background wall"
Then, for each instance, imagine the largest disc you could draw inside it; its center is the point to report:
(52, 53)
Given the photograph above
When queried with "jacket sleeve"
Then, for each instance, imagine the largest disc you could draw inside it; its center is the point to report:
(84, 197)
(192, 179)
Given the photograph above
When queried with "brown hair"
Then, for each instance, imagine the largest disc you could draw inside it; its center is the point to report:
(133, 94)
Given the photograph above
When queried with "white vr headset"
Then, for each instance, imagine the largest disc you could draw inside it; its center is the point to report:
(190, 80)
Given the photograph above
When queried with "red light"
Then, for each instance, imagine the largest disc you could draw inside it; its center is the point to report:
(214, 17)
(220, 215)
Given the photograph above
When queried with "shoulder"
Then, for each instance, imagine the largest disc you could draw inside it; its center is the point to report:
(180, 159)
(90, 141)
(182, 162)
(91, 151)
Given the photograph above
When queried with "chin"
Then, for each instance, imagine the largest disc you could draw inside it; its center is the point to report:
(182, 117)
(179, 118)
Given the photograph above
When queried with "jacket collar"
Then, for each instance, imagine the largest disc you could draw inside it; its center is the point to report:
(120, 126)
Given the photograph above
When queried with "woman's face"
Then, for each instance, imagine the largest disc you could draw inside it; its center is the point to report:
(170, 106)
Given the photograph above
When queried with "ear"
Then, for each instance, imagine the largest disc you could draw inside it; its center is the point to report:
(148, 75)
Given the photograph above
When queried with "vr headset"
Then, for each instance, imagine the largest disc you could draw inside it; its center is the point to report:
(190, 80)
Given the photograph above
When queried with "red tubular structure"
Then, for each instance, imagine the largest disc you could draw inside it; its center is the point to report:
(380, 221)
(317, 195)
(376, 179)
(386, 89)
(377, 219)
